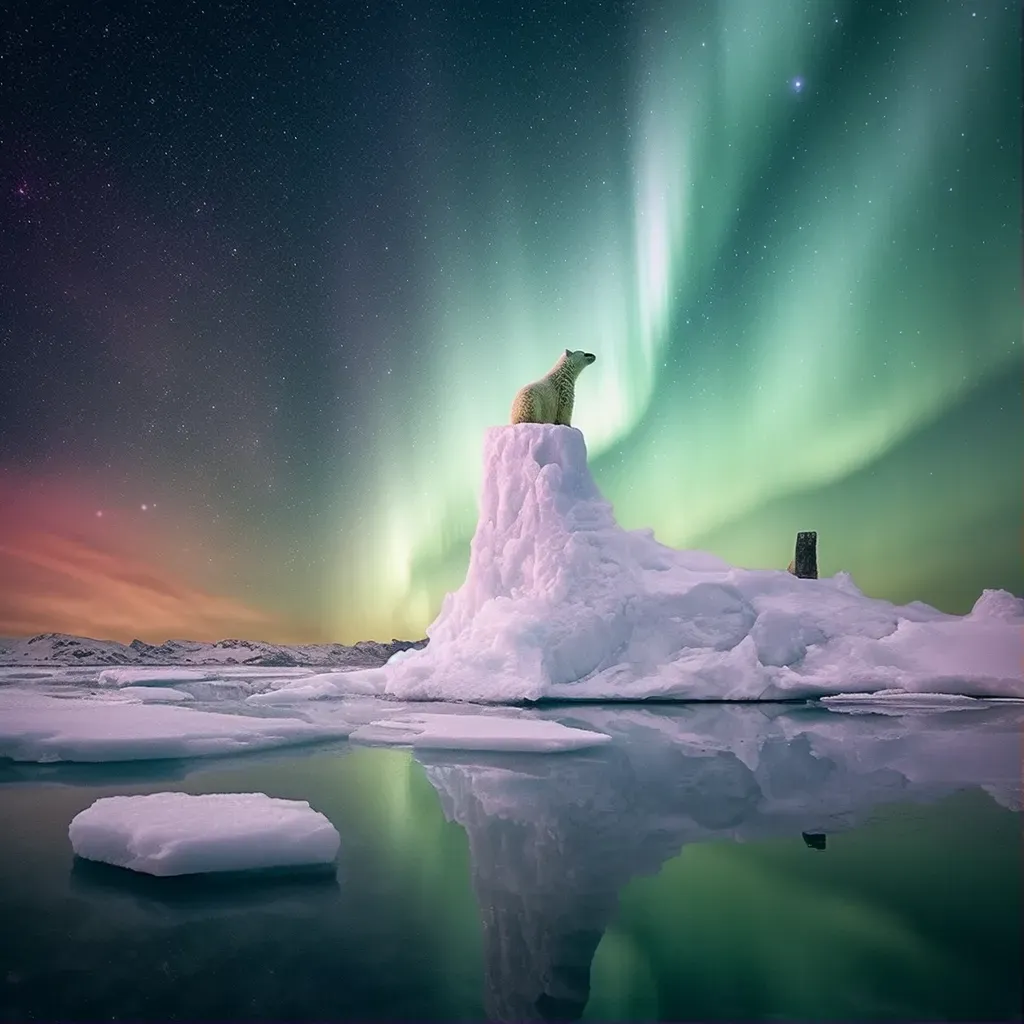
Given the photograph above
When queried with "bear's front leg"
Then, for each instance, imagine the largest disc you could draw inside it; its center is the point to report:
(564, 414)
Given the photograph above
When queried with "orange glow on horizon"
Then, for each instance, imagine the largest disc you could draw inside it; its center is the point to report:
(66, 569)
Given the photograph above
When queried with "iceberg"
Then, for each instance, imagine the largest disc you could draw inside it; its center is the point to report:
(560, 602)
(180, 834)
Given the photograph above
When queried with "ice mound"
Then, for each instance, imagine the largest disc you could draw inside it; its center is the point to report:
(37, 727)
(560, 602)
(179, 834)
(998, 604)
(478, 732)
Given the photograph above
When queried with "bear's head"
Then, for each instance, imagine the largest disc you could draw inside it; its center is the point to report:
(579, 359)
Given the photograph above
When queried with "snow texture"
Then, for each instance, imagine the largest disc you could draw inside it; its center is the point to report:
(179, 834)
(560, 602)
(39, 727)
(478, 732)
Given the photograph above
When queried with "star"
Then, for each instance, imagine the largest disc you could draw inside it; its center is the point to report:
(797, 84)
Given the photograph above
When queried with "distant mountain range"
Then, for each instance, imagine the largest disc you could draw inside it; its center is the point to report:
(62, 649)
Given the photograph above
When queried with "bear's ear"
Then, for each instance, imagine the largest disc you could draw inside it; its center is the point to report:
(568, 353)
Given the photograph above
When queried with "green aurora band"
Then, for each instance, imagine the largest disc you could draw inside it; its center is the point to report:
(798, 264)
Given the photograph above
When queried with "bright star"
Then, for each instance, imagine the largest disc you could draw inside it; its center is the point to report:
(797, 84)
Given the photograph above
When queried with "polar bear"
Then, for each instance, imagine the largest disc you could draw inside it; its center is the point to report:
(550, 399)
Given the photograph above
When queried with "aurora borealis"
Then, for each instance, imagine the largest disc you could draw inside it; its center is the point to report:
(270, 272)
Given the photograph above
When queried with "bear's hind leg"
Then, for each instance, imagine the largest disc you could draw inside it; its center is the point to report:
(523, 408)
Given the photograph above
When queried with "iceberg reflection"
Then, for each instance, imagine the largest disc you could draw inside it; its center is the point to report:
(553, 840)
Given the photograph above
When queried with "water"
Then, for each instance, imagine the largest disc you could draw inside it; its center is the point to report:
(676, 874)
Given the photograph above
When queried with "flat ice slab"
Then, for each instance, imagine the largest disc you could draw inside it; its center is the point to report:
(37, 727)
(180, 834)
(479, 732)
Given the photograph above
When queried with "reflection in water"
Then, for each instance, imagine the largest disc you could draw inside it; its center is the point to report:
(553, 840)
(294, 891)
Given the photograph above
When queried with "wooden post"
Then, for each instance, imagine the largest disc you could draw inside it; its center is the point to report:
(805, 565)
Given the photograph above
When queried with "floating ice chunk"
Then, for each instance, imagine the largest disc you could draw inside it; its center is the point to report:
(154, 694)
(36, 727)
(901, 700)
(146, 676)
(478, 732)
(179, 834)
(320, 686)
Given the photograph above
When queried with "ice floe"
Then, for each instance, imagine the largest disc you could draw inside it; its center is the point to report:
(180, 834)
(40, 727)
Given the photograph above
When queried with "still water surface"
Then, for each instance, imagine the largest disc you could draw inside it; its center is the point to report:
(713, 862)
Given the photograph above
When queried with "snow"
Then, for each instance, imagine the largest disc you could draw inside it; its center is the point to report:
(561, 602)
(478, 732)
(43, 728)
(180, 834)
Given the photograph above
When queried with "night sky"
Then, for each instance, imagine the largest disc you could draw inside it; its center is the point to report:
(270, 269)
